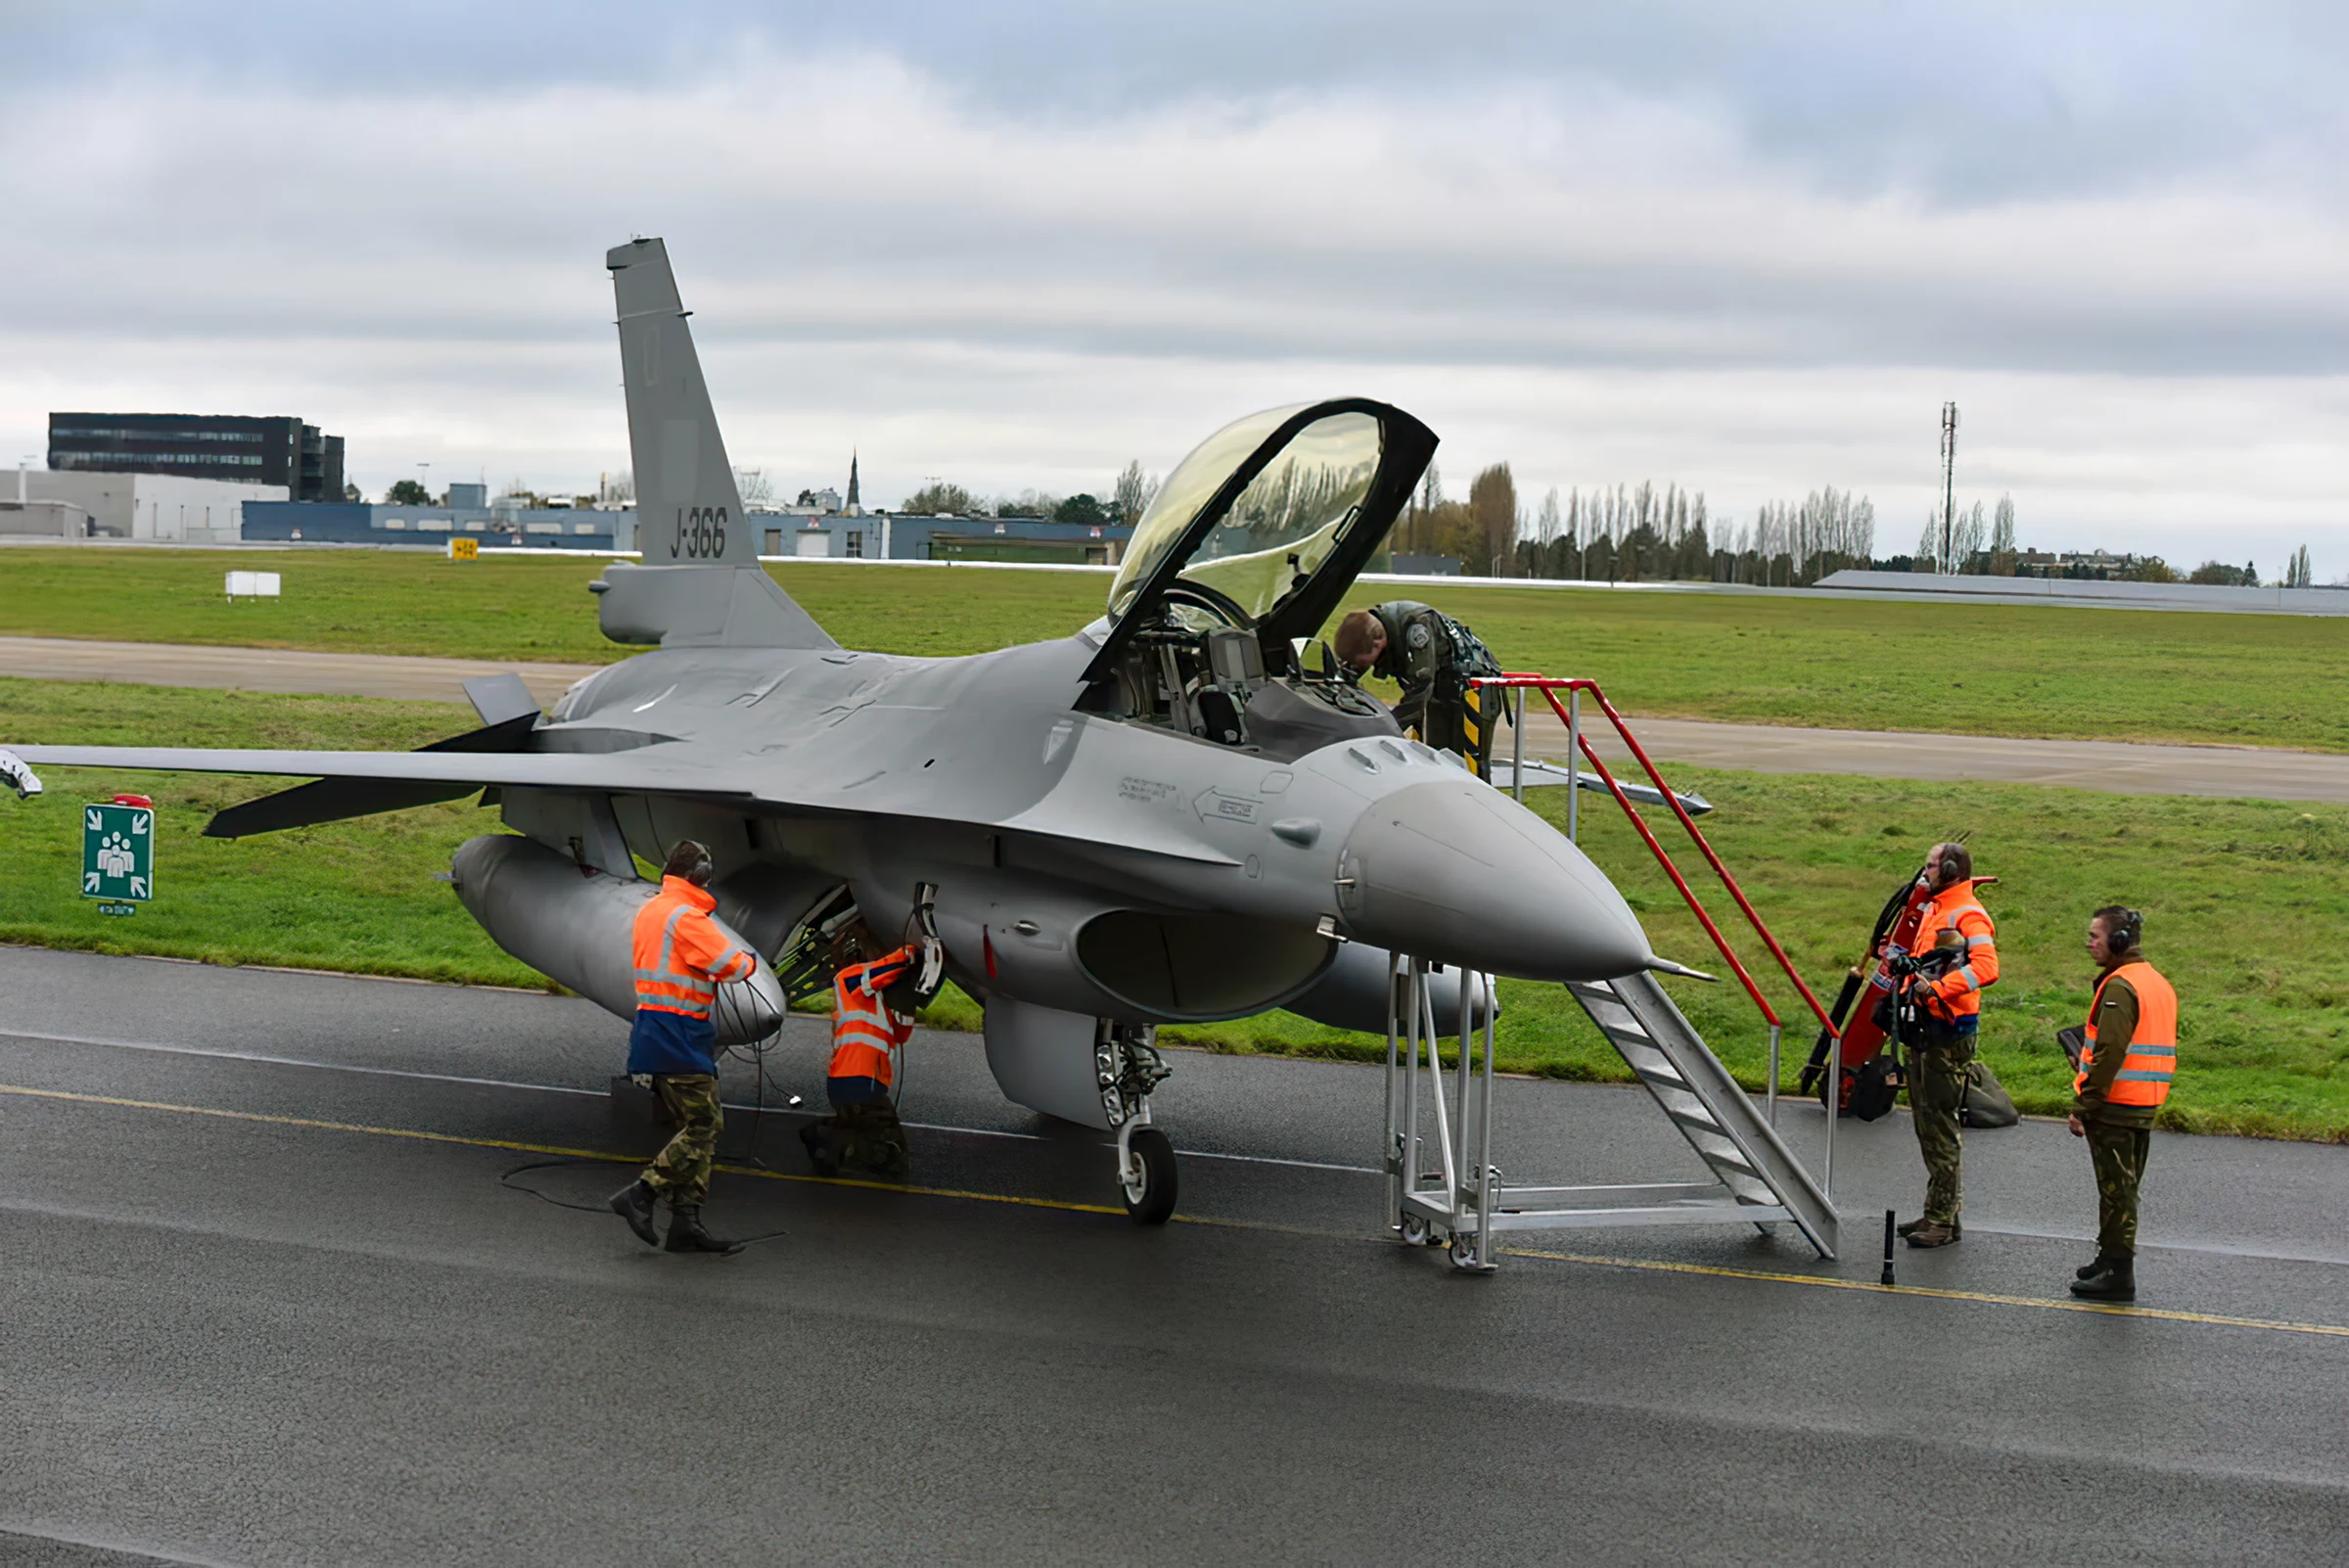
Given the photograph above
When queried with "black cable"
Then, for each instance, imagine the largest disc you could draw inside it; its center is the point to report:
(507, 1181)
(753, 1051)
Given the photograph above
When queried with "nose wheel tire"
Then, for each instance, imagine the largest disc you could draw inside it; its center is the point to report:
(1148, 1182)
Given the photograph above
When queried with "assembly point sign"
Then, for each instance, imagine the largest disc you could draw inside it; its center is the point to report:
(118, 855)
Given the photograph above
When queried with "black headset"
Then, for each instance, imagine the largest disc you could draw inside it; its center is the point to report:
(2128, 934)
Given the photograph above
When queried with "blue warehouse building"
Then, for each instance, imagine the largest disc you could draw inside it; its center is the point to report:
(831, 536)
(895, 537)
(358, 523)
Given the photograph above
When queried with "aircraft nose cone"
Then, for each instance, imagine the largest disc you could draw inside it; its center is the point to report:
(1458, 873)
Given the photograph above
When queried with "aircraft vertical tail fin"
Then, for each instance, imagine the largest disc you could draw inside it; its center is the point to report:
(688, 510)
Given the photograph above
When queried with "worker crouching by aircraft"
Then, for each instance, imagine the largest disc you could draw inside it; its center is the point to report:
(1432, 658)
(682, 957)
(2129, 1058)
(1948, 997)
(873, 1002)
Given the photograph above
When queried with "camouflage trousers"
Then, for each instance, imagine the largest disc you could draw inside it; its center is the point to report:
(1936, 1085)
(2119, 1156)
(681, 1171)
(864, 1139)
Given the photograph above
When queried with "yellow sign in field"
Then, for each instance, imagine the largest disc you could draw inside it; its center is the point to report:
(464, 549)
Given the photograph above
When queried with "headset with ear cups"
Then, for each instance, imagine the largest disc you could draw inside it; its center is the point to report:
(2127, 933)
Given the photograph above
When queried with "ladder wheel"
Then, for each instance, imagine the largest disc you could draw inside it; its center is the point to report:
(1414, 1231)
(1148, 1187)
(1463, 1255)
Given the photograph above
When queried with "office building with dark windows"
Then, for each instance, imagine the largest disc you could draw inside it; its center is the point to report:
(241, 448)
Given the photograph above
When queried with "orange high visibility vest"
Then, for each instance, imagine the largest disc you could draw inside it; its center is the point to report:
(865, 1032)
(2152, 1059)
(681, 955)
(1960, 991)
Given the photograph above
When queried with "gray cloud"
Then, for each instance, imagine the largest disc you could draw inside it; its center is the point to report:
(1750, 250)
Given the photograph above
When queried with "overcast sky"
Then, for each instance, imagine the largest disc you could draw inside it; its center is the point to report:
(1750, 250)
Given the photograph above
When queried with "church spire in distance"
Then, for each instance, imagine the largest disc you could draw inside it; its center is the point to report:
(852, 476)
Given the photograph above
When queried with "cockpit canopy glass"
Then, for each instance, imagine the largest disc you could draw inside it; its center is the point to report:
(1282, 526)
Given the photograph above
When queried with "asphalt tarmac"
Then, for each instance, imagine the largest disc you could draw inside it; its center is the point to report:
(265, 1300)
(2238, 772)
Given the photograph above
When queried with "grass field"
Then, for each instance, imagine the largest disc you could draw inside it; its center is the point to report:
(1986, 670)
(2243, 898)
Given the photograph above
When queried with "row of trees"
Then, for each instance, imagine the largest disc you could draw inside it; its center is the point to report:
(411, 492)
(1129, 496)
(1628, 533)
(1955, 548)
(2297, 574)
(1635, 533)
(1479, 532)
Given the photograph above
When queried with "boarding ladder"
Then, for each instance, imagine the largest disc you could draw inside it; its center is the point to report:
(1462, 1202)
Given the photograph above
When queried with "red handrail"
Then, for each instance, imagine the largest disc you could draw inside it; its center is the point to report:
(1549, 688)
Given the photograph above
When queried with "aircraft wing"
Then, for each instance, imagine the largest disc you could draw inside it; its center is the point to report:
(361, 783)
(629, 772)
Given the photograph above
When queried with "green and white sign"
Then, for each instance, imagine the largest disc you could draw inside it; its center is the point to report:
(118, 852)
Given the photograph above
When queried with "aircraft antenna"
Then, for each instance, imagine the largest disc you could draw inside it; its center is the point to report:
(1948, 479)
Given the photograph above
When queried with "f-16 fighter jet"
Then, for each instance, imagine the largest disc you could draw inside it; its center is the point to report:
(1165, 817)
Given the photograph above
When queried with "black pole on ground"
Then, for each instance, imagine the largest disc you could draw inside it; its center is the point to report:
(1886, 1277)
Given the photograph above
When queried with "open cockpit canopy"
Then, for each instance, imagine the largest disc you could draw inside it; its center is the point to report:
(1268, 521)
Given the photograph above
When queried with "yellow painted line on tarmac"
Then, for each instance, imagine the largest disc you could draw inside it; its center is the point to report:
(1644, 1265)
(556, 1150)
(1829, 1282)
(301, 1120)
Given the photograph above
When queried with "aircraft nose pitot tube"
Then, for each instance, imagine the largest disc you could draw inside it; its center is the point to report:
(1455, 871)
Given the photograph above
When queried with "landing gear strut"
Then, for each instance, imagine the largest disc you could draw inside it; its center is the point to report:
(1128, 1067)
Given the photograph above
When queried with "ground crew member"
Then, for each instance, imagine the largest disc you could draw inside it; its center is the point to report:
(1432, 657)
(873, 1002)
(2124, 1074)
(682, 957)
(1951, 1003)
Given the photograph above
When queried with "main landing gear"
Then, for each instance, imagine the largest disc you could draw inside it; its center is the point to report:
(1128, 1067)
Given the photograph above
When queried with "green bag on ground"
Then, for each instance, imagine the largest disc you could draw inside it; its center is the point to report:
(1985, 1101)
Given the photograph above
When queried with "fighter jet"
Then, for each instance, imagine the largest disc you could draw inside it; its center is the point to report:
(1177, 814)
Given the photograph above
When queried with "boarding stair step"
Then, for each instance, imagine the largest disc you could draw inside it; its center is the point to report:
(1736, 1143)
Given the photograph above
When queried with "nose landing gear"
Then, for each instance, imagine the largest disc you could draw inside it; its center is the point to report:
(1128, 1067)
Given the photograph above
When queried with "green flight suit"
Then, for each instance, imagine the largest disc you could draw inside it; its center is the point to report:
(1431, 657)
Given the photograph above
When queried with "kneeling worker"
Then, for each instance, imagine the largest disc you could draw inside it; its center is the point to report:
(682, 957)
(1951, 1003)
(2124, 1074)
(1432, 657)
(873, 1002)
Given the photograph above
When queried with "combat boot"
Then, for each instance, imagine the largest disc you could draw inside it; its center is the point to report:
(1933, 1233)
(685, 1233)
(2117, 1283)
(818, 1138)
(634, 1203)
(2089, 1270)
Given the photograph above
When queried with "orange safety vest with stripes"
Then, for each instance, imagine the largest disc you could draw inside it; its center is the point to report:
(681, 955)
(1958, 993)
(866, 1032)
(2152, 1059)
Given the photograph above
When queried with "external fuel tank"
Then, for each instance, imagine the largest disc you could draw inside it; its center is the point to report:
(573, 924)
